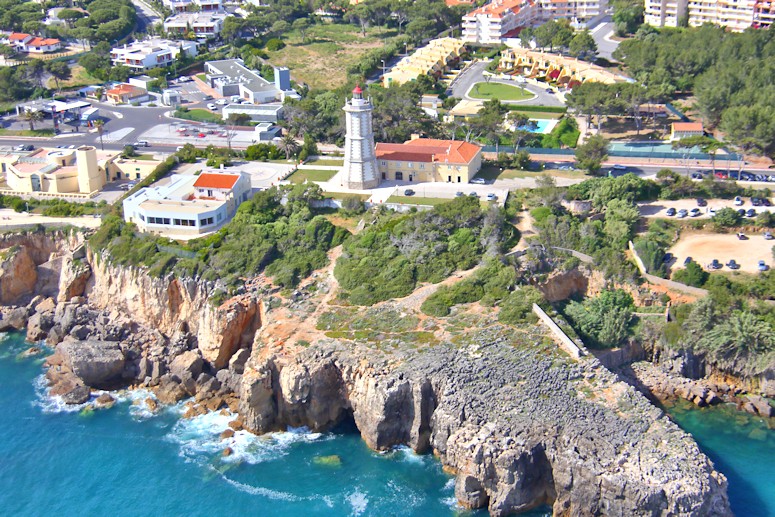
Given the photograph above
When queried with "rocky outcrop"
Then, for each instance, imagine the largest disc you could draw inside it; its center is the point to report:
(18, 275)
(97, 363)
(224, 330)
(512, 423)
(75, 273)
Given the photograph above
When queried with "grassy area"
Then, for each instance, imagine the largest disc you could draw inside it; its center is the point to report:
(322, 60)
(542, 115)
(500, 91)
(80, 77)
(338, 162)
(302, 175)
(143, 157)
(26, 132)
(199, 115)
(417, 200)
(342, 195)
(491, 173)
(202, 77)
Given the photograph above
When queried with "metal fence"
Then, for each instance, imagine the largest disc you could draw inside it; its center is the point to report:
(677, 155)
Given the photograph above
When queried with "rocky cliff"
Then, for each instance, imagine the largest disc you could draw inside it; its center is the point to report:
(520, 426)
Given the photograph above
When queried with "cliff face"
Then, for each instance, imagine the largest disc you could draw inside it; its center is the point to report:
(515, 425)
(169, 304)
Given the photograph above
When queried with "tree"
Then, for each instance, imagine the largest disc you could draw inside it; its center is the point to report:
(36, 71)
(70, 15)
(129, 151)
(32, 117)
(726, 218)
(592, 153)
(232, 27)
(288, 145)
(99, 125)
(692, 274)
(739, 335)
(280, 27)
(301, 25)
(59, 70)
(238, 119)
(583, 46)
(605, 320)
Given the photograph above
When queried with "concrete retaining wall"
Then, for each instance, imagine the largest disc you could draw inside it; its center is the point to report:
(566, 343)
(670, 284)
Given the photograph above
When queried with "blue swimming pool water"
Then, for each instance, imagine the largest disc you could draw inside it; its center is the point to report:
(537, 126)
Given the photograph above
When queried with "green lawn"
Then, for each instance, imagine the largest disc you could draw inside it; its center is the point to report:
(26, 132)
(335, 162)
(500, 91)
(491, 173)
(302, 175)
(417, 200)
(342, 195)
(200, 115)
(202, 77)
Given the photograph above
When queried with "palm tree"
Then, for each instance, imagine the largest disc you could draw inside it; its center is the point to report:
(99, 124)
(742, 334)
(289, 145)
(32, 117)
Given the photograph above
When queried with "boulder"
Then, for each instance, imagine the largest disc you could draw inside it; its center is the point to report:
(79, 394)
(96, 363)
(80, 332)
(761, 405)
(238, 360)
(14, 318)
(38, 326)
(187, 365)
(169, 391)
(105, 400)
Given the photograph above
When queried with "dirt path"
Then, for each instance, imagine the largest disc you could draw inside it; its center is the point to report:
(525, 227)
(413, 301)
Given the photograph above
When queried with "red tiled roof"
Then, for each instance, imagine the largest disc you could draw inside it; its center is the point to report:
(41, 42)
(429, 150)
(123, 88)
(210, 180)
(498, 8)
(687, 126)
(18, 36)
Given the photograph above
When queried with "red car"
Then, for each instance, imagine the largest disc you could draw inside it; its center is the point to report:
(201, 135)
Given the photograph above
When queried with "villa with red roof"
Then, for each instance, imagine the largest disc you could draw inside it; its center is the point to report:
(679, 130)
(28, 43)
(187, 206)
(426, 159)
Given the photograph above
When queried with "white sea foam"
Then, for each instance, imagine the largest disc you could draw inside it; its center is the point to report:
(408, 455)
(449, 485)
(53, 403)
(265, 492)
(358, 501)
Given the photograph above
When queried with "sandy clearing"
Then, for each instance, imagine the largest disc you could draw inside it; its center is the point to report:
(704, 247)
(658, 208)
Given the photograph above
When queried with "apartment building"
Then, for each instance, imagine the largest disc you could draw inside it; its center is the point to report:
(736, 15)
(182, 6)
(579, 11)
(490, 23)
(433, 59)
(144, 55)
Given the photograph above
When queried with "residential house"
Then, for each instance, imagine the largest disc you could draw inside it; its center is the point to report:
(144, 55)
(204, 24)
(181, 6)
(126, 94)
(23, 42)
(679, 130)
(434, 59)
(736, 15)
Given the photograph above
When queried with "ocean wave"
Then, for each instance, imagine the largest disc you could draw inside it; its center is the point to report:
(358, 502)
(265, 492)
(199, 439)
(53, 403)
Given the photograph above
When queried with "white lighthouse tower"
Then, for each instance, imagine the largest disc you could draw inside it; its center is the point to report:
(360, 159)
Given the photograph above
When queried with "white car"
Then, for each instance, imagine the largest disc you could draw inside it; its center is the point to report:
(738, 201)
(478, 181)
(619, 167)
(212, 107)
(221, 102)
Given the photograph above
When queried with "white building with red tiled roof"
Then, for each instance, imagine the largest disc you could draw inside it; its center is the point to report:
(24, 42)
(186, 206)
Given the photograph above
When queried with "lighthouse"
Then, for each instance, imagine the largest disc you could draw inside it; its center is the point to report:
(360, 160)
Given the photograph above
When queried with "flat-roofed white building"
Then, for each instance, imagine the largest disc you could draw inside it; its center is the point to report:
(180, 6)
(144, 55)
(736, 15)
(492, 22)
(231, 78)
(205, 24)
(185, 206)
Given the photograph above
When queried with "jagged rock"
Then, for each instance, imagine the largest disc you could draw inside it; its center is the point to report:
(105, 400)
(31, 352)
(169, 391)
(761, 406)
(228, 433)
(13, 318)
(55, 336)
(77, 395)
(224, 329)
(39, 325)
(97, 363)
(187, 365)
(45, 305)
(80, 332)
(238, 360)
(228, 451)
(18, 275)
(230, 382)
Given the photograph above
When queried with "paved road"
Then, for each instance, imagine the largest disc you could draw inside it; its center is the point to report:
(473, 75)
(601, 33)
(145, 15)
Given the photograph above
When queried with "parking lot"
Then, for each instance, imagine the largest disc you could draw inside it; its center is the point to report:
(190, 92)
(660, 208)
(703, 248)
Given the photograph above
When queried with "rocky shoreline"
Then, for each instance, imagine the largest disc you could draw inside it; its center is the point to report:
(518, 422)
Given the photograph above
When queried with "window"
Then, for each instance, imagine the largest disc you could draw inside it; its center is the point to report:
(166, 220)
(422, 165)
(209, 193)
(399, 176)
(206, 222)
(410, 165)
(137, 176)
(142, 217)
(383, 162)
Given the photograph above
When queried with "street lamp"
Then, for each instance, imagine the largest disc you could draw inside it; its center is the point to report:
(383, 67)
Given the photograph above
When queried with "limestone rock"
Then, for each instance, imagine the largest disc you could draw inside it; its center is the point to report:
(187, 365)
(96, 363)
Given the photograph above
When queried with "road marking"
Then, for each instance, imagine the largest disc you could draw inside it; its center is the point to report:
(596, 29)
(119, 134)
(117, 114)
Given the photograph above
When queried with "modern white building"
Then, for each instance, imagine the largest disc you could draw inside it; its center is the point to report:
(180, 6)
(360, 169)
(736, 15)
(204, 24)
(144, 55)
(185, 206)
(270, 112)
(230, 77)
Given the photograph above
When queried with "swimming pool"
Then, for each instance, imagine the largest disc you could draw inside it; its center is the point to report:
(541, 126)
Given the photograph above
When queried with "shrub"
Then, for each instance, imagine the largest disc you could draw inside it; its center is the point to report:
(517, 308)
(726, 218)
(692, 275)
(540, 214)
(274, 44)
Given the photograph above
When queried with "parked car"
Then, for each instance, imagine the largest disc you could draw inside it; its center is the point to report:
(566, 168)
(408, 192)
(619, 167)
(212, 107)
(549, 90)
(739, 201)
(687, 261)
(733, 265)
(478, 181)
(768, 236)
(221, 102)
(712, 211)
(24, 147)
(715, 264)
(670, 211)
(741, 236)
(762, 266)
(701, 202)
(141, 143)
(473, 194)
(208, 97)
(741, 212)
(683, 213)
(179, 148)
(667, 258)
(751, 213)
(695, 212)
(459, 194)
(755, 201)
(766, 202)
(491, 197)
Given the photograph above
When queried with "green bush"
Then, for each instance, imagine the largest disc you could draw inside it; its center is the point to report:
(727, 218)
(274, 44)
(517, 308)
(603, 321)
(540, 214)
(692, 274)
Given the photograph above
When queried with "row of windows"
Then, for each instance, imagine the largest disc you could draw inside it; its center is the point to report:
(409, 165)
(166, 220)
(184, 222)
(206, 222)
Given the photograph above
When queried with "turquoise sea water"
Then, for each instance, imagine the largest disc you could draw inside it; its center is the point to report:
(128, 462)
(742, 447)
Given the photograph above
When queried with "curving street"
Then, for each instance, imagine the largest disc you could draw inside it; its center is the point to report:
(474, 75)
